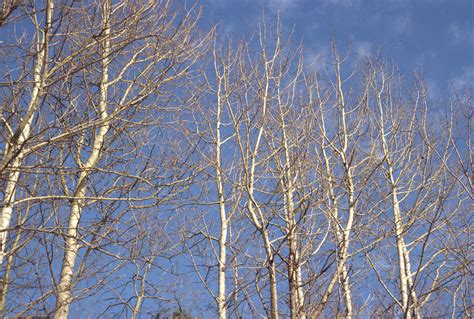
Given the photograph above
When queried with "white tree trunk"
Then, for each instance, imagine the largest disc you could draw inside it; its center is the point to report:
(13, 150)
(347, 231)
(400, 251)
(7, 209)
(294, 265)
(221, 279)
(64, 290)
(8, 269)
(407, 291)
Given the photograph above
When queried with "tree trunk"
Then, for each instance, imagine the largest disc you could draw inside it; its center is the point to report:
(221, 279)
(64, 292)
(13, 150)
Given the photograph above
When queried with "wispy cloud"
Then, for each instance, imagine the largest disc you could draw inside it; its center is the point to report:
(462, 34)
(433, 89)
(362, 49)
(317, 59)
(466, 79)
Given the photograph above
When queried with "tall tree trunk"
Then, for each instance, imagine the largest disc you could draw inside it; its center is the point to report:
(400, 251)
(64, 291)
(273, 281)
(294, 266)
(347, 231)
(141, 294)
(8, 268)
(13, 155)
(407, 291)
(255, 211)
(270, 259)
(344, 277)
(221, 279)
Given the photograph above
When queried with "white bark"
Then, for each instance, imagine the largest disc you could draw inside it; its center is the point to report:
(407, 292)
(256, 214)
(141, 294)
(8, 269)
(221, 279)
(342, 232)
(64, 290)
(350, 192)
(14, 149)
(294, 265)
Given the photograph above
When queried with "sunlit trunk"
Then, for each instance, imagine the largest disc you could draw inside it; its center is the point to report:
(221, 279)
(13, 155)
(407, 291)
(64, 290)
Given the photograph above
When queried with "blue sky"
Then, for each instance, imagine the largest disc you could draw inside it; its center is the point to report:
(433, 36)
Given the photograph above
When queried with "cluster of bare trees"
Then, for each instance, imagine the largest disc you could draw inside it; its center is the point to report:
(148, 165)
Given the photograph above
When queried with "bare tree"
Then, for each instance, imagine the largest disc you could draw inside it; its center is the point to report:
(160, 53)
(346, 165)
(13, 155)
(417, 188)
(142, 159)
(211, 136)
(117, 65)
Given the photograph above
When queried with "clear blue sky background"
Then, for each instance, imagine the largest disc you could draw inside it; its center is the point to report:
(433, 36)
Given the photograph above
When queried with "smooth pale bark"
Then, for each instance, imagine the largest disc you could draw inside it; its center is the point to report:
(64, 290)
(273, 280)
(342, 232)
(13, 155)
(267, 246)
(334, 212)
(345, 275)
(294, 265)
(270, 259)
(221, 296)
(292, 279)
(14, 149)
(256, 214)
(334, 215)
(141, 294)
(401, 258)
(263, 230)
(6, 276)
(221, 279)
(300, 291)
(341, 274)
(235, 271)
(349, 179)
(407, 291)
(268, 250)
(325, 298)
(8, 201)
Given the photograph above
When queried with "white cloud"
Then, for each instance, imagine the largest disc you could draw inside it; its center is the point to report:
(433, 89)
(318, 58)
(461, 34)
(362, 49)
(465, 79)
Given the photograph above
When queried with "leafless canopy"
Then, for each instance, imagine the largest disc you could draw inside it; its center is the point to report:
(148, 167)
